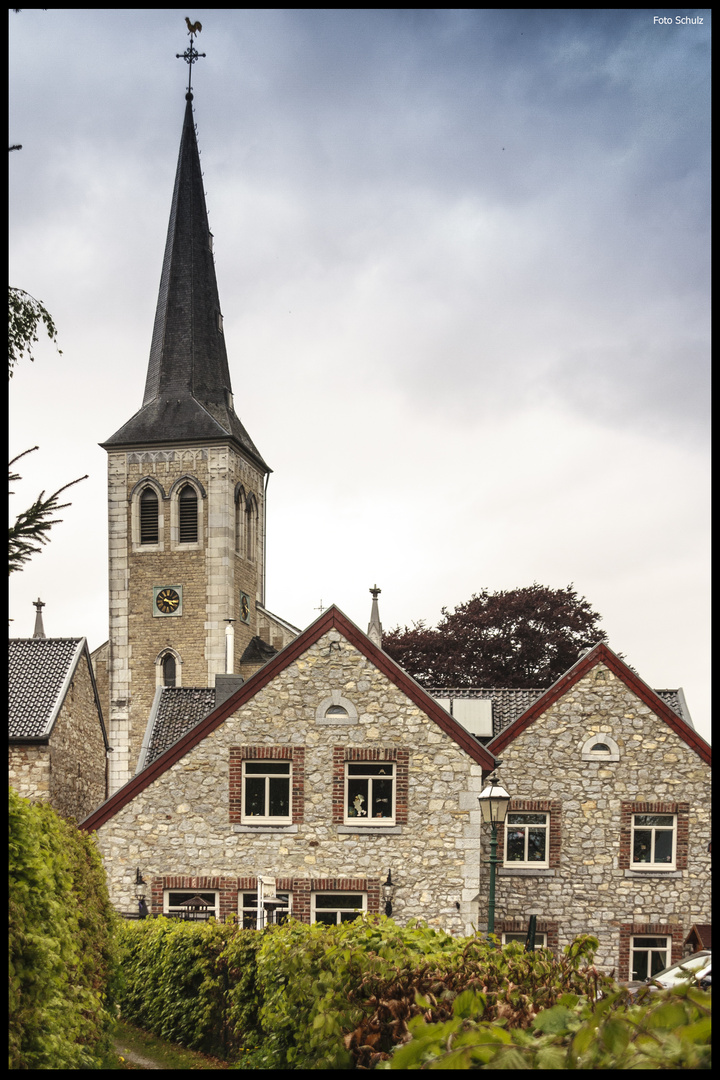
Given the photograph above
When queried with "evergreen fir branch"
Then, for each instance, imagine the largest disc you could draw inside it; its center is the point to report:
(30, 530)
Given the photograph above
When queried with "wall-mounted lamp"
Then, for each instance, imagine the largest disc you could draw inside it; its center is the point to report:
(388, 890)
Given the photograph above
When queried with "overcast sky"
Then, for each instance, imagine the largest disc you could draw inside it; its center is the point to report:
(463, 260)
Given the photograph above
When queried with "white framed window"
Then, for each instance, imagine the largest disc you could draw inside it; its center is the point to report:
(175, 899)
(369, 792)
(521, 936)
(648, 955)
(527, 840)
(334, 908)
(247, 910)
(266, 787)
(653, 841)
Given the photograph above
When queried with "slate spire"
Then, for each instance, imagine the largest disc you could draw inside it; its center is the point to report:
(188, 396)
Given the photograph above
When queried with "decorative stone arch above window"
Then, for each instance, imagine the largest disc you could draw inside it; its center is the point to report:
(186, 514)
(161, 667)
(336, 709)
(146, 518)
(600, 747)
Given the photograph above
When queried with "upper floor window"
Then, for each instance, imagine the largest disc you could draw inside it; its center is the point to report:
(149, 515)
(188, 515)
(526, 840)
(653, 842)
(369, 793)
(266, 792)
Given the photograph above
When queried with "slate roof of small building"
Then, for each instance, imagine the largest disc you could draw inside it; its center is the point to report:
(40, 673)
(174, 713)
(508, 704)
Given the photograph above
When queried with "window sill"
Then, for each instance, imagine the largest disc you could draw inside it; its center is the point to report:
(338, 721)
(264, 828)
(524, 871)
(654, 873)
(370, 830)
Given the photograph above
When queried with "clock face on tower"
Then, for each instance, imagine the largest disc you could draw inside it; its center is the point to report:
(167, 600)
(244, 607)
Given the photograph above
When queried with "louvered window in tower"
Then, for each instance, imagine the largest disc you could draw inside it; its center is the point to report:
(187, 505)
(148, 517)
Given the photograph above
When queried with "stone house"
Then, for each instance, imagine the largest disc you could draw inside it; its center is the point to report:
(58, 744)
(608, 828)
(327, 769)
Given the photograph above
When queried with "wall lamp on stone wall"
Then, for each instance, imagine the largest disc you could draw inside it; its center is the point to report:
(388, 891)
(140, 894)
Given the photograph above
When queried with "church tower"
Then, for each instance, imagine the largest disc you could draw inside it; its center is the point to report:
(186, 494)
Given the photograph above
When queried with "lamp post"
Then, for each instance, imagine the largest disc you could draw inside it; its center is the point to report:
(494, 801)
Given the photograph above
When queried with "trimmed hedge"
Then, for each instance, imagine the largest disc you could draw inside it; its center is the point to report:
(299, 996)
(63, 970)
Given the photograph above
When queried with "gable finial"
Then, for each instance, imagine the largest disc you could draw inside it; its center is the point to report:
(191, 55)
(39, 631)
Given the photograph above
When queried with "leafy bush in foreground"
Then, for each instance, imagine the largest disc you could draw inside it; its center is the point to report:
(62, 963)
(668, 1030)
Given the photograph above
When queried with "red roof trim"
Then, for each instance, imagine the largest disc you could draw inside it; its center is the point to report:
(332, 619)
(602, 654)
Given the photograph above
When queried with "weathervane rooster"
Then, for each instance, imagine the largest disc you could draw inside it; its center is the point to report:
(193, 28)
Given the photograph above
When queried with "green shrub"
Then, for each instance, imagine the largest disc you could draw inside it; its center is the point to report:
(62, 963)
(668, 1030)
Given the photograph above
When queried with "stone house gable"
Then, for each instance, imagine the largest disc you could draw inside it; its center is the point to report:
(57, 739)
(608, 827)
(329, 712)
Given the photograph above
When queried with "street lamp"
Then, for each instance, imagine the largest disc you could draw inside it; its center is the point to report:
(494, 801)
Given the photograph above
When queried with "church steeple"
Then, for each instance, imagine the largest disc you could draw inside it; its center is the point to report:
(188, 394)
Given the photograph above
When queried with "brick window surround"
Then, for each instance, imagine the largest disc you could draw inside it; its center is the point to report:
(542, 926)
(343, 754)
(682, 813)
(630, 930)
(300, 889)
(294, 754)
(553, 807)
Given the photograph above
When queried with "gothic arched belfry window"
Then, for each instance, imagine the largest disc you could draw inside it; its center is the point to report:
(188, 515)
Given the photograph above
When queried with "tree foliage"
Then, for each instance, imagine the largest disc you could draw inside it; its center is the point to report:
(25, 314)
(523, 638)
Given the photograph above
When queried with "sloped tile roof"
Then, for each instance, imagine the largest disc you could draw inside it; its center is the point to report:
(179, 709)
(40, 671)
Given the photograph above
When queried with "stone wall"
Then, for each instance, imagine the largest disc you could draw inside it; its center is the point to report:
(589, 886)
(29, 770)
(78, 760)
(184, 824)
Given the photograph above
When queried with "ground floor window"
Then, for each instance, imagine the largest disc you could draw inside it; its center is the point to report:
(648, 955)
(248, 910)
(182, 904)
(521, 936)
(333, 908)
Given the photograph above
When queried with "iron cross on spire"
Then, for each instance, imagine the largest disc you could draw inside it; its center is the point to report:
(191, 55)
